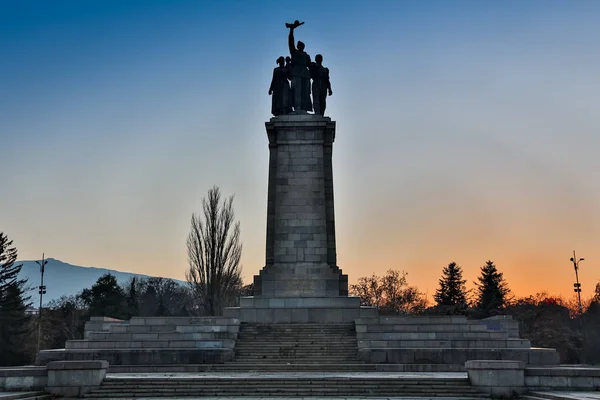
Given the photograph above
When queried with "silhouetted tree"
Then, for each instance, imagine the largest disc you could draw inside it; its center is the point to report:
(132, 297)
(591, 345)
(597, 293)
(164, 297)
(491, 291)
(451, 296)
(14, 321)
(247, 290)
(390, 293)
(545, 321)
(64, 319)
(106, 299)
(214, 252)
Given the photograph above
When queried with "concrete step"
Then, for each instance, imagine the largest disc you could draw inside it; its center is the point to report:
(286, 366)
(287, 387)
(531, 356)
(208, 321)
(294, 394)
(114, 337)
(309, 352)
(145, 356)
(298, 333)
(459, 343)
(347, 338)
(296, 357)
(142, 328)
(300, 302)
(553, 395)
(290, 353)
(150, 344)
(414, 335)
(271, 366)
(207, 328)
(284, 386)
(301, 344)
(414, 327)
(527, 397)
(34, 395)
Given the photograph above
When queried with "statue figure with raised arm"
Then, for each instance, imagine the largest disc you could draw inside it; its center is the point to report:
(300, 75)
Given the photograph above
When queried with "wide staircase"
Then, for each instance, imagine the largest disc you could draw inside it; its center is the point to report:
(297, 347)
(286, 385)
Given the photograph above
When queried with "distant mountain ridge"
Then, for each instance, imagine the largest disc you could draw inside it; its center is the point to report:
(63, 279)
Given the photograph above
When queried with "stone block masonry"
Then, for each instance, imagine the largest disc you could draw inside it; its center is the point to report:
(300, 247)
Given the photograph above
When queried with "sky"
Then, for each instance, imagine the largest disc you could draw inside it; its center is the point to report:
(467, 131)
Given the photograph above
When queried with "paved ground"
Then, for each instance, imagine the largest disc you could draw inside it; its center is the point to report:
(6, 395)
(572, 395)
(561, 395)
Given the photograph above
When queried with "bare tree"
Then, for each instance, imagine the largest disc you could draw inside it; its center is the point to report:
(214, 252)
(390, 293)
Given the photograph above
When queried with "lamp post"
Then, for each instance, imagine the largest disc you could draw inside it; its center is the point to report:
(42, 292)
(577, 285)
(577, 289)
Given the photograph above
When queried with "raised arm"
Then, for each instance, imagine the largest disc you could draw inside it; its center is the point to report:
(291, 42)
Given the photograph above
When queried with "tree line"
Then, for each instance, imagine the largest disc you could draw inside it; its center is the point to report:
(545, 320)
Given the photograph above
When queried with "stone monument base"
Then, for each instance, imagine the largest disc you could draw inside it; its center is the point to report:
(300, 310)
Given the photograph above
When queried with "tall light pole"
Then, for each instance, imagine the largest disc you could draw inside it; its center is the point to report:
(577, 285)
(42, 292)
(577, 289)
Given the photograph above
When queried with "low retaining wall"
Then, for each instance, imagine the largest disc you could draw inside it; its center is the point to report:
(75, 378)
(23, 378)
(510, 378)
(61, 378)
(563, 378)
(503, 379)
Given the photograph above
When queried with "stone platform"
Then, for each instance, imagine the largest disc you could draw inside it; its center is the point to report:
(445, 340)
(152, 340)
(301, 310)
(426, 344)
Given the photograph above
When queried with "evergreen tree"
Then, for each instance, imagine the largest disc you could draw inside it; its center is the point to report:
(132, 297)
(492, 291)
(106, 298)
(14, 321)
(451, 296)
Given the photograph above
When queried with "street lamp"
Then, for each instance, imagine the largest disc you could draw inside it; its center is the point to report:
(42, 292)
(577, 285)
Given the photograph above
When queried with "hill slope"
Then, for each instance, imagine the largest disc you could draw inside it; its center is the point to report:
(61, 278)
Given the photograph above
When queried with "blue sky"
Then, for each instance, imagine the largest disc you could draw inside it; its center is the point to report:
(466, 130)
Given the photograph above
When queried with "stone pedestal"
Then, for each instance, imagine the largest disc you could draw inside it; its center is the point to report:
(300, 248)
(301, 281)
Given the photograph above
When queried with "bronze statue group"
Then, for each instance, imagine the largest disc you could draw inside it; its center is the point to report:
(299, 70)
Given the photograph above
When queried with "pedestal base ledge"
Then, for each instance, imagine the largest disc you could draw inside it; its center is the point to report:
(497, 378)
(494, 364)
(75, 378)
(78, 365)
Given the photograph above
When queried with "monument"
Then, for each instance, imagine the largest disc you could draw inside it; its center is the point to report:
(301, 281)
(300, 317)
